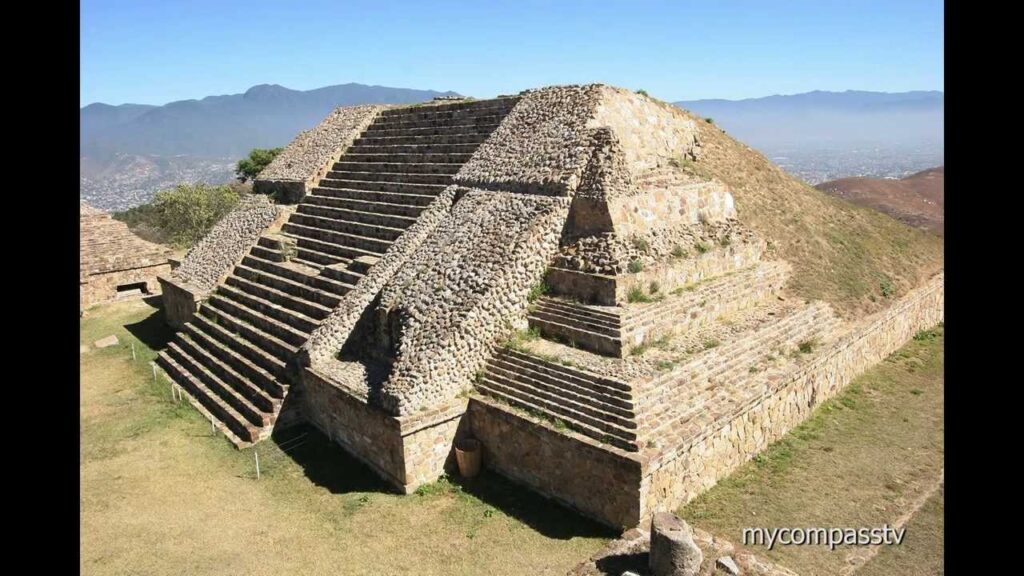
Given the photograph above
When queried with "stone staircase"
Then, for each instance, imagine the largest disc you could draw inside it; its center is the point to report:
(594, 406)
(232, 358)
(615, 330)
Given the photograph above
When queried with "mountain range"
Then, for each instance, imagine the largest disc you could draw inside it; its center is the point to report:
(129, 152)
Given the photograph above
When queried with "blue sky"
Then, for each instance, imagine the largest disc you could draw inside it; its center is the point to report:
(154, 52)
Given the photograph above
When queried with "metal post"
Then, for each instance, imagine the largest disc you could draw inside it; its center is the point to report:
(153, 364)
(257, 455)
(133, 351)
(213, 427)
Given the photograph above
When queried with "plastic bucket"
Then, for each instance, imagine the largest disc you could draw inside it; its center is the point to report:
(467, 454)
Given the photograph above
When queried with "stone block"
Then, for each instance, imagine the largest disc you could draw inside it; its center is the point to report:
(673, 551)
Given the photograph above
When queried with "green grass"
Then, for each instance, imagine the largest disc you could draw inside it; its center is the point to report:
(636, 295)
(635, 266)
(860, 459)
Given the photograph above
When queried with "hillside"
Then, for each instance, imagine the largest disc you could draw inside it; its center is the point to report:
(852, 256)
(916, 200)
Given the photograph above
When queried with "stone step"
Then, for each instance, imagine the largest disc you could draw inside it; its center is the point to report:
(595, 404)
(272, 254)
(584, 311)
(306, 292)
(344, 273)
(444, 130)
(448, 168)
(538, 406)
(399, 181)
(295, 319)
(718, 367)
(244, 431)
(575, 375)
(339, 251)
(214, 384)
(305, 307)
(276, 328)
(754, 283)
(239, 361)
(296, 272)
(392, 157)
(621, 402)
(388, 149)
(346, 226)
(385, 124)
(358, 245)
(411, 199)
(469, 139)
(506, 102)
(387, 208)
(258, 406)
(445, 111)
(265, 341)
(588, 323)
(564, 402)
(561, 329)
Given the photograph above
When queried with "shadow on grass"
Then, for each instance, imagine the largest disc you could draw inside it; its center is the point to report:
(326, 464)
(543, 515)
(329, 466)
(152, 330)
(615, 565)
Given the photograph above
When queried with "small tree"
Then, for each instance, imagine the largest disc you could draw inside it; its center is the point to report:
(188, 211)
(250, 167)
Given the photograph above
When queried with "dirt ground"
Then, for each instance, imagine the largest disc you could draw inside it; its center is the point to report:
(160, 494)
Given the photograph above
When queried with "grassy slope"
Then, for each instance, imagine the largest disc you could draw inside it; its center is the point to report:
(161, 495)
(861, 459)
(841, 253)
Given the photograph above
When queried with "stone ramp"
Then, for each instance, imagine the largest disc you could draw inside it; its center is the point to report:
(233, 358)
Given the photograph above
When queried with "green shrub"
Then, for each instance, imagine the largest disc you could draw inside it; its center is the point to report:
(885, 284)
(642, 92)
(249, 168)
(654, 287)
(641, 244)
(187, 212)
(709, 120)
(636, 294)
(635, 266)
(702, 247)
(679, 252)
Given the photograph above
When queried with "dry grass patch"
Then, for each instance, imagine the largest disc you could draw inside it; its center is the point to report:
(862, 459)
(854, 257)
(160, 494)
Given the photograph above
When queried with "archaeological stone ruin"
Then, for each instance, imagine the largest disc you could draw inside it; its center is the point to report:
(512, 270)
(114, 263)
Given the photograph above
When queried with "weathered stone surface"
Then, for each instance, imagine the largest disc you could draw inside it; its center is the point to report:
(309, 156)
(106, 342)
(111, 257)
(673, 551)
(216, 254)
(728, 565)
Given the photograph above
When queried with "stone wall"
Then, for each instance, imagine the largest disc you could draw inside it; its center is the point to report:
(692, 469)
(103, 287)
(571, 274)
(213, 258)
(312, 153)
(464, 288)
(598, 482)
(332, 333)
(652, 134)
(406, 452)
(661, 207)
